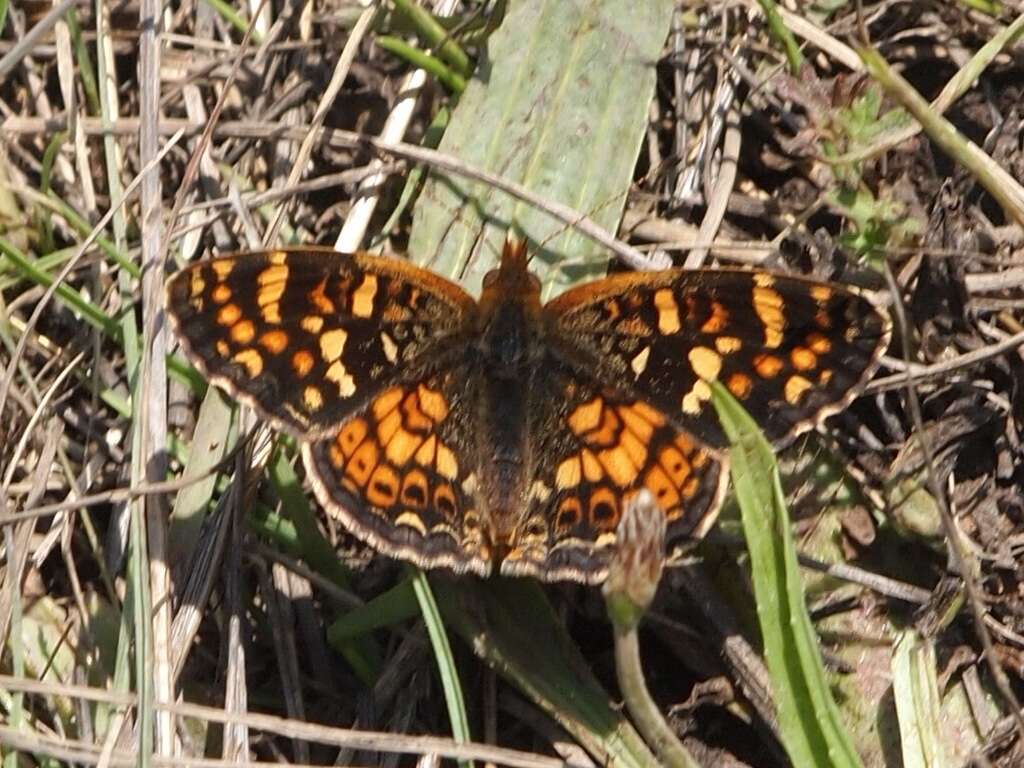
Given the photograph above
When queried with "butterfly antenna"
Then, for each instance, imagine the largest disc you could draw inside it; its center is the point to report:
(514, 255)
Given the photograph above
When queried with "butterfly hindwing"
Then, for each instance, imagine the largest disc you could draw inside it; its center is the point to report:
(307, 336)
(793, 351)
(400, 473)
(596, 448)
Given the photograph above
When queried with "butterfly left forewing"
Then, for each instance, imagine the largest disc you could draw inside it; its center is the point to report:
(793, 351)
(307, 336)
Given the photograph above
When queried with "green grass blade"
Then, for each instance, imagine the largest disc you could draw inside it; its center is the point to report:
(915, 690)
(443, 655)
(809, 719)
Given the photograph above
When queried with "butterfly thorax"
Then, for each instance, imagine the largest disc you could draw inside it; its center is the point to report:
(509, 352)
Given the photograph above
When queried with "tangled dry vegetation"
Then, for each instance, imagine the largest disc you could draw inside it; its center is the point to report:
(154, 552)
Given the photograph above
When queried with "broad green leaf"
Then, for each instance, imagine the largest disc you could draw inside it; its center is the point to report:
(559, 104)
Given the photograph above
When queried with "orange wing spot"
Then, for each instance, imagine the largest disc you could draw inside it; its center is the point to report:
(764, 279)
(727, 345)
(803, 359)
(740, 385)
(274, 342)
(387, 401)
(706, 363)
(604, 509)
(719, 319)
(568, 473)
(586, 416)
(699, 393)
(243, 332)
(433, 404)
(312, 324)
(795, 388)
(415, 419)
(618, 465)
(401, 447)
(382, 490)
(591, 466)
(272, 312)
(668, 311)
(221, 292)
(426, 453)
(649, 414)
(362, 463)
(635, 423)
(698, 459)
(271, 283)
(608, 432)
(351, 436)
(415, 489)
(222, 268)
(768, 366)
(675, 465)
(569, 514)
(197, 286)
(684, 443)
(768, 304)
(229, 314)
(336, 456)
(318, 298)
(635, 448)
(389, 347)
(388, 427)
(447, 466)
(444, 502)
(252, 360)
(690, 488)
(825, 376)
(313, 399)
(302, 363)
(639, 363)
(362, 298)
(332, 344)
(222, 348)
(612, 308)
(819, 344)
(821, 293)
(340, 376)
(658, 483)
(275, 275)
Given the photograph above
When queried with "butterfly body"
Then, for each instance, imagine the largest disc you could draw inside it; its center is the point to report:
(503, 433)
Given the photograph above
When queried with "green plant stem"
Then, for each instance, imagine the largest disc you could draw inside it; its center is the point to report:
(781, 33)
(641, 706)
(455, 82)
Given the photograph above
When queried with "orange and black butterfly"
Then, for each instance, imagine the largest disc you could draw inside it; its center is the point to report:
(502, 433)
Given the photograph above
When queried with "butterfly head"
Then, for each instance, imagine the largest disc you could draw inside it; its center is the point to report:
(511, 281)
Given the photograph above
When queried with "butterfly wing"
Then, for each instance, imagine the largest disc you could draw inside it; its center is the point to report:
(793, 351)
(595, 447)
(308, 336)
(399, 473)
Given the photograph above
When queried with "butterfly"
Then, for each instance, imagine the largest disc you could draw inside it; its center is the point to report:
(503, 434)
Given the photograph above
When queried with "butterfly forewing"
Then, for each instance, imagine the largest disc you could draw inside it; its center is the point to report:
(308, 336)
(793, 351)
